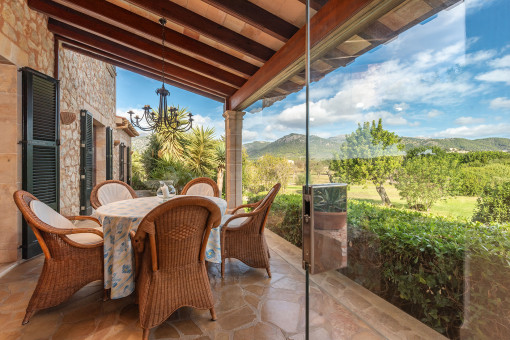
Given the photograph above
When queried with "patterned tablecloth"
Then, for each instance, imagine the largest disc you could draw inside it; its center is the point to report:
(118, 219)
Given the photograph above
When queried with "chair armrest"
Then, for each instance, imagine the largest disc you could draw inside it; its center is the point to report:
(225, 225)
(82, 218)
(65, 232)
(252, 205)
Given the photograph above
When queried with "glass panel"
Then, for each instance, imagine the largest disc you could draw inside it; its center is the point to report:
(409, 106)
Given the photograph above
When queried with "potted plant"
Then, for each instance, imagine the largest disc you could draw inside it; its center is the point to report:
(330, 207)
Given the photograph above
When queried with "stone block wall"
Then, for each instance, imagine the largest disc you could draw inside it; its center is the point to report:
(85, 83)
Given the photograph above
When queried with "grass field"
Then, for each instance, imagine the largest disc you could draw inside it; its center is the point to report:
(457, 207)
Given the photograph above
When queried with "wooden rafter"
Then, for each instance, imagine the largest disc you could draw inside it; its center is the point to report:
(206, 27)
(315, 4)
(124, 37)
(134, 67)
(257, 17)
(290, 58)
(104, 9)
(141, 71)
(173, 72)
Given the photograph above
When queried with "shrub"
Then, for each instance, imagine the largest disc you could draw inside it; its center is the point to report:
(494, 204)
(285, 216)
(471, 180)
(417, 262)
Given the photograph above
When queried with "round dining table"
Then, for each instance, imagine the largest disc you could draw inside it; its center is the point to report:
(118, 219)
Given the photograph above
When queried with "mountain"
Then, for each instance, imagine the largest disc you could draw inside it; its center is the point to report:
(460, 144)
(293, 146)
(140, 143)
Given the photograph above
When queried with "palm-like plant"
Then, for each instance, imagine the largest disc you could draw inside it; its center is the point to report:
(221, 162)
(200, 151)
(173, 141)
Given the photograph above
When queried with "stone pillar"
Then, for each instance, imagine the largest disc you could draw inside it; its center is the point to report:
(234, 148)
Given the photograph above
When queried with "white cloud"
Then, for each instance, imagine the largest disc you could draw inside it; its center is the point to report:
(476, 131)
(500, 103)
(476, 57)
(468, 120)
(249, 136)
(501, 62)
(434, 113)
(498, 75)
(401, 107)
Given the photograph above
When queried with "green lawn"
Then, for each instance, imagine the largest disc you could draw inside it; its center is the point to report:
(457, 207)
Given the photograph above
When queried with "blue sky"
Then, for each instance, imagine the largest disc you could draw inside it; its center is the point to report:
(448, 77)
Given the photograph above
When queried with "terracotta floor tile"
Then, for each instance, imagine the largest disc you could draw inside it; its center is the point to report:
(249, 305)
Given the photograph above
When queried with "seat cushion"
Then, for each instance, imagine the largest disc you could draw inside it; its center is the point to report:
(49, 216)
(85, 238)
(113, 192)
(234, 223)
(200, 189)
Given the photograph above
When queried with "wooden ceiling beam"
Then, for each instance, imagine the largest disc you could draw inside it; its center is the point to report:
(257, 17)
(315, 4)
(171, 71)
(114, 33)
(206, 27)
(130, 65)
(136, 22)
(290, 58)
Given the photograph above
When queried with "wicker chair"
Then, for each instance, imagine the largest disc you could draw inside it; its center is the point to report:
(201, 186)
(170, 245)
(73, 257)
(242, 234)
(109, 192)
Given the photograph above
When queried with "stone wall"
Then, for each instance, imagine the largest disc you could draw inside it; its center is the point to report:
(85, 83)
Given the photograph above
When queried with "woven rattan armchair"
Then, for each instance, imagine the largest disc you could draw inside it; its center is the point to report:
(200, 186)
(94, 195)
(68, 265)
(242, 235)
(170, 245)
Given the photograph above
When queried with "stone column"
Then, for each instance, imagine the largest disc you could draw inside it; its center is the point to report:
(233, 147)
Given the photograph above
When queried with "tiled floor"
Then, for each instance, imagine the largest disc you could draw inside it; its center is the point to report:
(249, 306)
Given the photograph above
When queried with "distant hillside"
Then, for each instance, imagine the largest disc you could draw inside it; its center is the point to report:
(293, 146)
(461, 144)
(140, 143)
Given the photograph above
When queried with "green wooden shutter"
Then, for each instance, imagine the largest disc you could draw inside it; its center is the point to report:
(122, 164)
(109, 153)
(86, 161)
(128, 167)
(41, 146)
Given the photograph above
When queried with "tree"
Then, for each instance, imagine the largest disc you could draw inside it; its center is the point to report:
(173, 142)
(425, 177)
(151, 155)
(369, 154)
(271, 170)
(200, 151)
(221, 162)
(494, 204)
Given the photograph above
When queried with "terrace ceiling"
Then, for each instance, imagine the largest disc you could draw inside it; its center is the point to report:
(232, 51)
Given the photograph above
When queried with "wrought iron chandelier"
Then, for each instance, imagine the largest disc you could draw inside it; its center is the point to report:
(167, 118)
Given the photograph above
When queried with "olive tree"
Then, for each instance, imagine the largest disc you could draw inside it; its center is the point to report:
(369, 154)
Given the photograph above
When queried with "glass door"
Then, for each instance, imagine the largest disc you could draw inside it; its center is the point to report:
(407, 167)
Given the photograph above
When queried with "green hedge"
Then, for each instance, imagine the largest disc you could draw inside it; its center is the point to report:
(418, 262)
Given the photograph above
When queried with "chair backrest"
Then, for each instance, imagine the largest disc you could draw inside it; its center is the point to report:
(201, 186)
(109, 192)
(42, 231)
(176, 232)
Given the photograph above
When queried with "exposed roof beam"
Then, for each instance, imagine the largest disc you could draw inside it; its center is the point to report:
(129, 19)
(256, 16)
(206, 27)
(172, 72)
(134, 67)
(315, 4)
(119, 35)
(337, 20)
